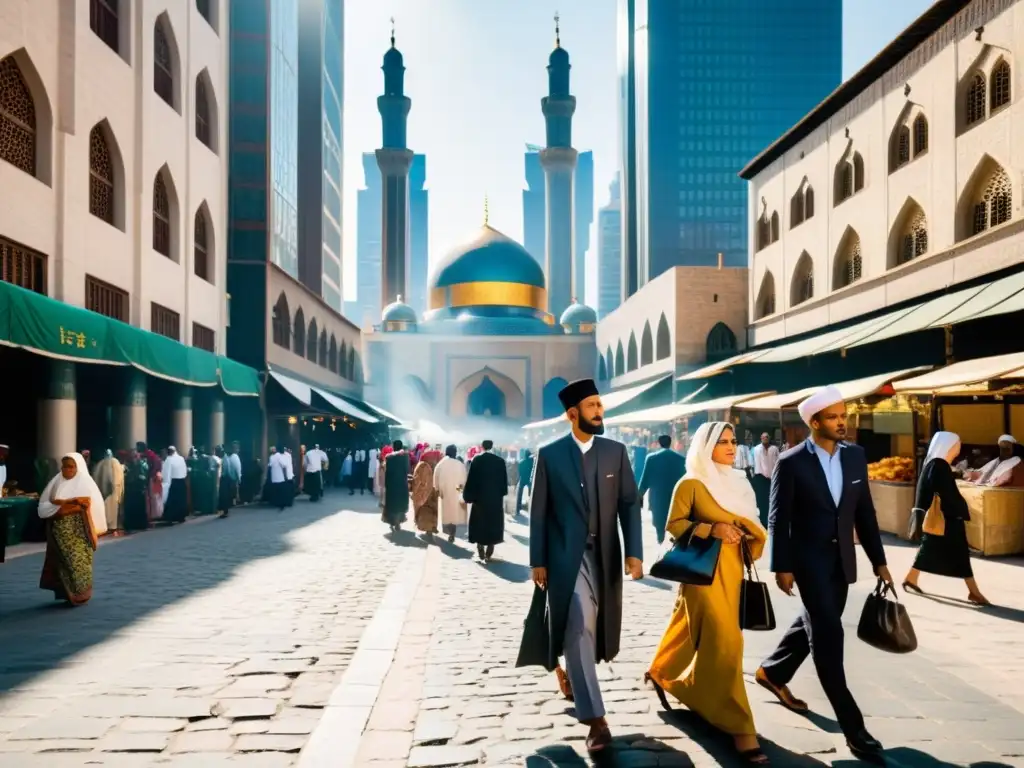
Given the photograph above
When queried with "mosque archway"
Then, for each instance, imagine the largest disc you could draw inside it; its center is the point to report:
(552, 405)
(476, 395)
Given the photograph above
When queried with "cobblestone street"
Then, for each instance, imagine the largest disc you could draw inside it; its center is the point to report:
(309, 638)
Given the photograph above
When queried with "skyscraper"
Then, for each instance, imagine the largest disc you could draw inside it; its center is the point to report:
(319, 151)
(583, 215)
(609, 252)
(704, 87)
(534, 206)
(366, 309)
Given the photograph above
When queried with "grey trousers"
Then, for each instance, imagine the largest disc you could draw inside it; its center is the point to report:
(580, 645)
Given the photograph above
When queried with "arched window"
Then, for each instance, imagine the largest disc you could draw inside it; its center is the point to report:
(663, 340)
(322, 352)
(995, 204)
(350, 367)
(103, 20)
(18, 139)
(101, 176)
(203, 6)
(849, 261)
(775, 226)
(609, 362)
(844, 181)
(201, 258)
(974, 105)
(920, 135)
(602, 369)
(161, 216)
(902, 148)
(299, 333)
(342, 360)
(858, 172)
(763, 232)
(332, 354)
(620, 360)
(803, 280)
(312, 336)
(631, 356)
(204, 125)
(809, 203)
(281, 324)
(914, 239)
(765, 304)
(1001, 87)
(163, 64)
(646, 345)
(796, 209)
(720, 343)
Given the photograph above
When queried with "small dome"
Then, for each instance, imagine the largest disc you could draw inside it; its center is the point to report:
(578, 318)
(393, 59)
(398, 316)
(559, 57)
(489, 257)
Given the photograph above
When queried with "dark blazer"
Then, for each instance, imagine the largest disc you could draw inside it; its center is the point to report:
(559, 529)
(804, 522)
(662, 470)
(486, 487)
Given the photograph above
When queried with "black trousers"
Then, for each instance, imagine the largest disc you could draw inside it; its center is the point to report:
(818, 632)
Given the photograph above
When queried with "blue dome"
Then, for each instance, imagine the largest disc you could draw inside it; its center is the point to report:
(393, 58)
(398, 312)
(559, 57)
(490, 257)
(577, 314)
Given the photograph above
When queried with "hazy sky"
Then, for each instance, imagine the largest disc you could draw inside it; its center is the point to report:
(475, 71)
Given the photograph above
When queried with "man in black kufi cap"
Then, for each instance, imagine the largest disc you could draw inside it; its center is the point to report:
(582, 489)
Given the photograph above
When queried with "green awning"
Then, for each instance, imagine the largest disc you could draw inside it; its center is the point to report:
(45, 326)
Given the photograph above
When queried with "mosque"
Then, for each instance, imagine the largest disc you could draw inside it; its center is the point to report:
(489, 345)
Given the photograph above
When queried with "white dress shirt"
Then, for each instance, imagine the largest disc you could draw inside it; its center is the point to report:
(584, 446)
(315, 459)
(765, 460)
(743, 459)
(280, 466)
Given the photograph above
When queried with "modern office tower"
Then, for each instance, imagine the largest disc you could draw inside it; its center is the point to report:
(609, 252)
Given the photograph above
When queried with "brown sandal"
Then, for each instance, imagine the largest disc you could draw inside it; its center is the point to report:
(598, 740)
(563, 684)
(781, 692)
(978, 599)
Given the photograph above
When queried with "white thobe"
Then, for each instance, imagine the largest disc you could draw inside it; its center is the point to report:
(449, 475)
(765, 460)
(174, 468)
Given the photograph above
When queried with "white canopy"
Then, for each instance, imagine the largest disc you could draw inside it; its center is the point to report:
(666, 413)
(610, 400)
(851, 390)
(966, 373)
(304, 394)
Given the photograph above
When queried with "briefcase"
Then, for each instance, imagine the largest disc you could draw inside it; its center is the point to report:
(690, 560)
(756, 610)
(885, 624)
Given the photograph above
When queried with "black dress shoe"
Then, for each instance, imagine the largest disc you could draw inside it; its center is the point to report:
(866, 747)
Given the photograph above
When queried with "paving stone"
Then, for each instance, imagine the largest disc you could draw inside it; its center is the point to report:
(434, 757)
(434, 729)
(209, 724)
(152, 725)
(385, 745)
(66, 728)
(237, 709)
(134, 742)
(269, 742)
(202, 741)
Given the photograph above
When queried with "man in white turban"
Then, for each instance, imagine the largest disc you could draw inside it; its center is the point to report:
(1005, 469)
(819, 496)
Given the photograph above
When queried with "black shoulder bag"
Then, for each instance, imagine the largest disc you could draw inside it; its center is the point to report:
(691, 560)
(756, 611)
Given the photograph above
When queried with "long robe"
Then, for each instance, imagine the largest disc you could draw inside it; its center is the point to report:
(136, 489)
(109, 477)
(948, 554)
(396, 488)
(449, 480)
(700, 658)
(486, 488)
(424, 497)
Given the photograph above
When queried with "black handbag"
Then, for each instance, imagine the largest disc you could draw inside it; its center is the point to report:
(885, 624)
(690, 560)
(915, 524)
(756, 611)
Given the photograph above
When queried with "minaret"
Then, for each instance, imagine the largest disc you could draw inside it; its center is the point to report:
(394, 159)
(558, 159)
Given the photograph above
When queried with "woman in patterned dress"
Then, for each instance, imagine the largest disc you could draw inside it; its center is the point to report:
(73, 508)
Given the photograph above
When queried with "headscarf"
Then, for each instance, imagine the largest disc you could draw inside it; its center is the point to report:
(942, 443)
(1007, 439)
(78, 487)
(728, 487)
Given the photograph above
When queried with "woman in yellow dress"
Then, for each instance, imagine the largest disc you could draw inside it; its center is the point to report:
(700, 658)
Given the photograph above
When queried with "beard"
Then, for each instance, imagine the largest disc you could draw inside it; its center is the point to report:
(590, 427)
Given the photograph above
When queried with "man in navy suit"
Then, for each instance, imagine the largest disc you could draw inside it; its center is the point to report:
(819, 496)
(662, 470)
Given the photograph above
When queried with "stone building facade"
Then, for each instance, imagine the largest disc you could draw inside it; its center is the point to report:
(905, 181)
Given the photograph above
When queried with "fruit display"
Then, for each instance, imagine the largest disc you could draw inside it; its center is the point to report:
(894, 469)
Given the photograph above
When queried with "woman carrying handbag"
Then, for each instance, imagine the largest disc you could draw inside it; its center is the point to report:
(938, 501)
(700, 658)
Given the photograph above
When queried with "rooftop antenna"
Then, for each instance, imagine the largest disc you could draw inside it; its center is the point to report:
(558, 32)
(487, 212)
(392, 31)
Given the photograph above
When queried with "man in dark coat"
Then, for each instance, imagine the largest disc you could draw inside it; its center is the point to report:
(396, 487)
(662, 470)
(486, 487)
(819, 497)
(525, 477)
(582, 489)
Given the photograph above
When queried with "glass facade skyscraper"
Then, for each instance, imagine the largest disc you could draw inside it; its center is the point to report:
(609, 252)
(705, 85)
(284, 134)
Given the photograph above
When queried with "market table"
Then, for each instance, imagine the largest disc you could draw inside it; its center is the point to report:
(893, 502)
(996, 526)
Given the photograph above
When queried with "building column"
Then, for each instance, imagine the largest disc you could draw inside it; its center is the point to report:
(181, 420)
(559, 165)
(58, 411)
(216, 422)
(130, 413)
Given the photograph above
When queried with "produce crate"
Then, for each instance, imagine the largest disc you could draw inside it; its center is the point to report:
(996, 526)
(893, 502)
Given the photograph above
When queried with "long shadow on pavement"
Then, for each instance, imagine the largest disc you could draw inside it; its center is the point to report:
(632, 751)
(514, 573)
(720, 746)
(999, 611)
(133, 578)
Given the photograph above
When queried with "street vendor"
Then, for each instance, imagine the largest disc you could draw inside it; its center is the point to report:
(1004, 470)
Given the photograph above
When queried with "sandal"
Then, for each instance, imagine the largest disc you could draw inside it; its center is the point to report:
(597, 741)
(563, 684)
(658, 690)
(755, 756)
(781, 692)
(978, 599)
(908, 587)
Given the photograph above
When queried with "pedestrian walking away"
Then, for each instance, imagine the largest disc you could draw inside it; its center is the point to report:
(449, 480)
(424, 495)
(765, 457)
(583, 489)
(395, 493)
(662, 470)
(819, 496)
(175, 482)
(485, 491)
(281, 474)
(316, 465)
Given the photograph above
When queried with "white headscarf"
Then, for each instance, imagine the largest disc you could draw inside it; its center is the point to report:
(727, 486)
(1007, 439)
(942, 443)
(78, 487)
